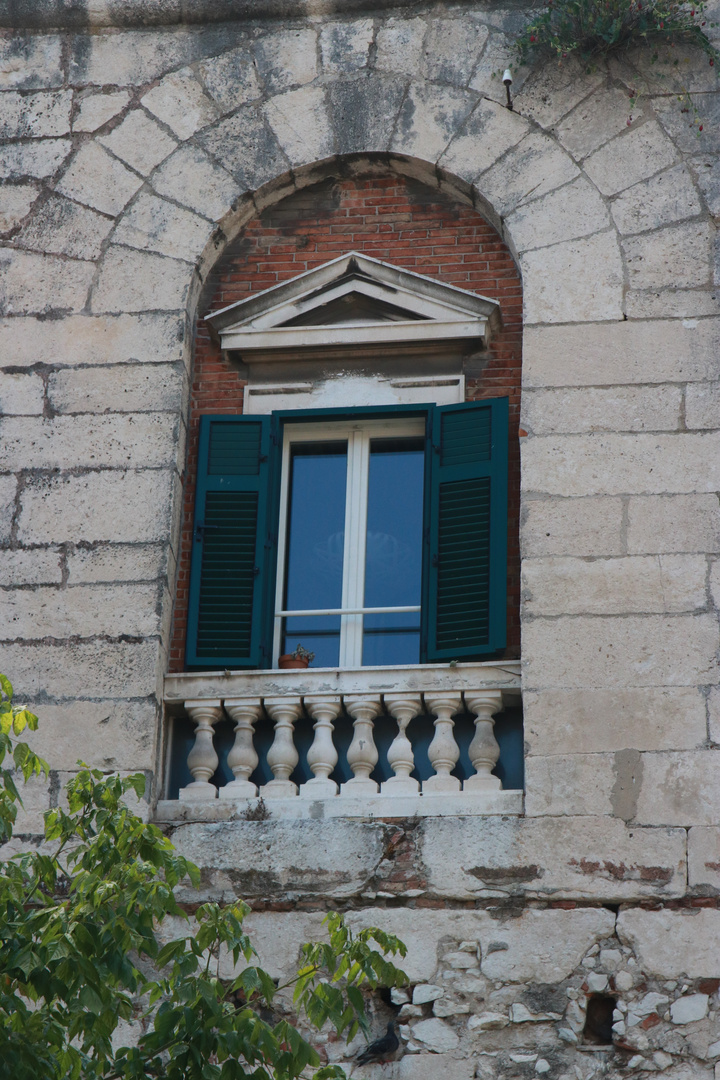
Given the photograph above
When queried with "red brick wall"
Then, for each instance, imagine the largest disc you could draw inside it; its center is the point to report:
(389, 218)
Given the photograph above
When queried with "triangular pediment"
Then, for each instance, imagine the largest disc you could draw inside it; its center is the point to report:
(354, 301)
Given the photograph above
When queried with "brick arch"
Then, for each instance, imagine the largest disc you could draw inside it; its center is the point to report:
(390, 216)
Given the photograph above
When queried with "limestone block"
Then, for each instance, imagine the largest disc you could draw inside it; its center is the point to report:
(534, 167)
(569, 784)
(705, 170)
(364, 112)
(80, 611)
(594, 121)
(96, 669)
(38, 159)
(660, 523)
(687, 137)
(650, 650)
(179, 101)
(421, 1066)
(497, 55)
(30, 567)
(15, 203)
(570, 212)
(96, 109)
(591, 526)
(344, 46)
(678, 256)
(36, 797)
(680, 788)
(714, 714)
(673, 943)
(116, 562)
(593, 464)
(647, 408)
(575, 857)
(154, 224)
(63, 227)
(21, 395)
(488, 133)
(671, 303)
(278, 938)
(231, 79)
(593, 721)
(30, 61)
(554, 89)
(668, 197)
(82, 339)
(135, 57)
(543, 946)
(66, 442)
(140, 142)
(576, 281)
(429, 118)
(8, 490)
(630, 157)
(437, 1035)
(35, 115)
(125, 507)
(621, 353)
(689, 1008)
(715, 582)
(98, 180)
(452, 48)
(702, 405)
(399, 45)
(301, 123)
(137, 280)
(651, 583)
(31, 283)
(704, 857)
(127, 388)
(287, 58)
(190, 177)
(246, 147)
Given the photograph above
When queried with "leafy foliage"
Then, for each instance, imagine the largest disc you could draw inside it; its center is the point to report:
(85, 946)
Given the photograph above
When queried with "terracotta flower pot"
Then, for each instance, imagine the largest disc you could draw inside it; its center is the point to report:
(290, 661)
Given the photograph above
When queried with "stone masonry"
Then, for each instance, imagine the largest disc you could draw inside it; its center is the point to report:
(139, 142)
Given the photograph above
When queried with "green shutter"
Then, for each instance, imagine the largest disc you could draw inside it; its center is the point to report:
(231, 553)
(466, 572)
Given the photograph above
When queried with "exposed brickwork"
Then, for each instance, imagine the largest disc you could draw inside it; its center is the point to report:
(388, 218)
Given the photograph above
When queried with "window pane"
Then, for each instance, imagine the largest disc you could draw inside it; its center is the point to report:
(393, 563)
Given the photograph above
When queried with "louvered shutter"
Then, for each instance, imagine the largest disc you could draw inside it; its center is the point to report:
(467, 564)
(231, 552)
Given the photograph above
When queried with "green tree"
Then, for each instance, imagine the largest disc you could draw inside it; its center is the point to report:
(81, 949)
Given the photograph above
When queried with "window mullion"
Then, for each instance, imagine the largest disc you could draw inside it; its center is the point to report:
(353, 593)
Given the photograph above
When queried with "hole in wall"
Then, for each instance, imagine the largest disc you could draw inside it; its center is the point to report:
(599, 1020)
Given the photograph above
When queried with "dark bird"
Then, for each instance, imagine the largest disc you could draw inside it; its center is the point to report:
(382, 1049)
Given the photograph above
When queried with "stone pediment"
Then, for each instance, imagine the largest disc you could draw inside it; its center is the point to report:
(354, 301)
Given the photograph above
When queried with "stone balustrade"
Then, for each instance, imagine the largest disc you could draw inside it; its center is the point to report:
(366, 696)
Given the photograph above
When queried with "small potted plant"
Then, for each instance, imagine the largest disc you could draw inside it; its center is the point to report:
(300, 658)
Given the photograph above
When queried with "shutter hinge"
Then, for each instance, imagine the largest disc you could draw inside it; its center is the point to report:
(435, 561)
(256, 571)
(436, 448)
(201, 529)
(262, 458)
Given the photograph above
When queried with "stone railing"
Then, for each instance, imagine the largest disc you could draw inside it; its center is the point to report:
(364, 695)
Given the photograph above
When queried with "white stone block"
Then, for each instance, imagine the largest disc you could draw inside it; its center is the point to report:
(8, 489)
(690, 1007)
(437, 1035)
(35, 115)
(98, 180)
(134, 57)
(704, 857)
(544, 946)
(676, 257)
(15, 203)
(97, 669)
(344, 46)
(80, 611)
(40, 159)
(420, 1066)
(125, 388)
(425, 992)
(532, 168)
(82, 339)
(301, 123)
(139, 142)
(670, 303)
(154, 224)
(702, 405)
(287, 58)
(190, 177)
(594, 121)
(631, 157)
(110, 735)
(66, 442)
(650, 1003)
(674, 523)
(451, 50)
(568, 785)
(116, 562)
(35, 566)
(576, 281)
(619, 408)
(488, 1021)
(570, 212)
(138, 280)
(399, 45)
(64, 228)
(31, 61)
(96, 109)
(179, 101)
(680, 788)
(670, 196)
(21, 395)
(586, 527)
(35, 284)
(552, 90)
(245, 146)
(231, 79)
(489, 132)
(429, 118)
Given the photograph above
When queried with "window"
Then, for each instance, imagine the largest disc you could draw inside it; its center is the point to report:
(372, 536)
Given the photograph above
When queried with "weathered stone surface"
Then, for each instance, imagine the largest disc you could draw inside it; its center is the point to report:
(702, 405)
(81, 611)
(687, 137)
(425, 992)
(595, 121)
(35, 566)
(437, 1035)
(660, 523)
(670, 303)
(588, 527)
(576, 281)
(451, 50)
(364, 112)
(419, 1066)
(668, 197)
(680, 788)
(487, 134)
(35, 115)
(705, 170)
(652, 583)
(128, 388)
(552, 90)
(287, 59)
(570, 212)
(704, 857)
(135, 57)
(575, 857)
(179, 101)
(30, 61)
(15, 203)
(569, 785)
(138, 280)
(115, 562)
(278, 938)
(231, 79)
(674, 943)
(21, 395)
(245, 146)
(154, 224)
(647, 718)
(678, 256)
(140, 142)
(617, 464)
(190, 177)
(98, 180)
(630, 157)
(8, 491)
(66, 442)
(652, 408)
(34, 283)
(344, 47)
(63, 227)
(653, 650)
(429, 117)
(533, 168)
(82, 339)
(96, 109)
(543, 946)
(689, 1008)
(620, 353)
(714, 714)
(37, 159)
(98, 669)
(77, 508)
(301, 123)
(399, 45)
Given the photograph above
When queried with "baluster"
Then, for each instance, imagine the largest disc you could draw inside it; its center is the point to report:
(362, 753)
(404, 707)
(202, 759)
(322, 756)
(242, 758)
(484, 749)
(443, 750)
(282, 756)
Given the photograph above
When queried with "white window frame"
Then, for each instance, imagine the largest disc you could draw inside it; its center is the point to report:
(358, 434)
